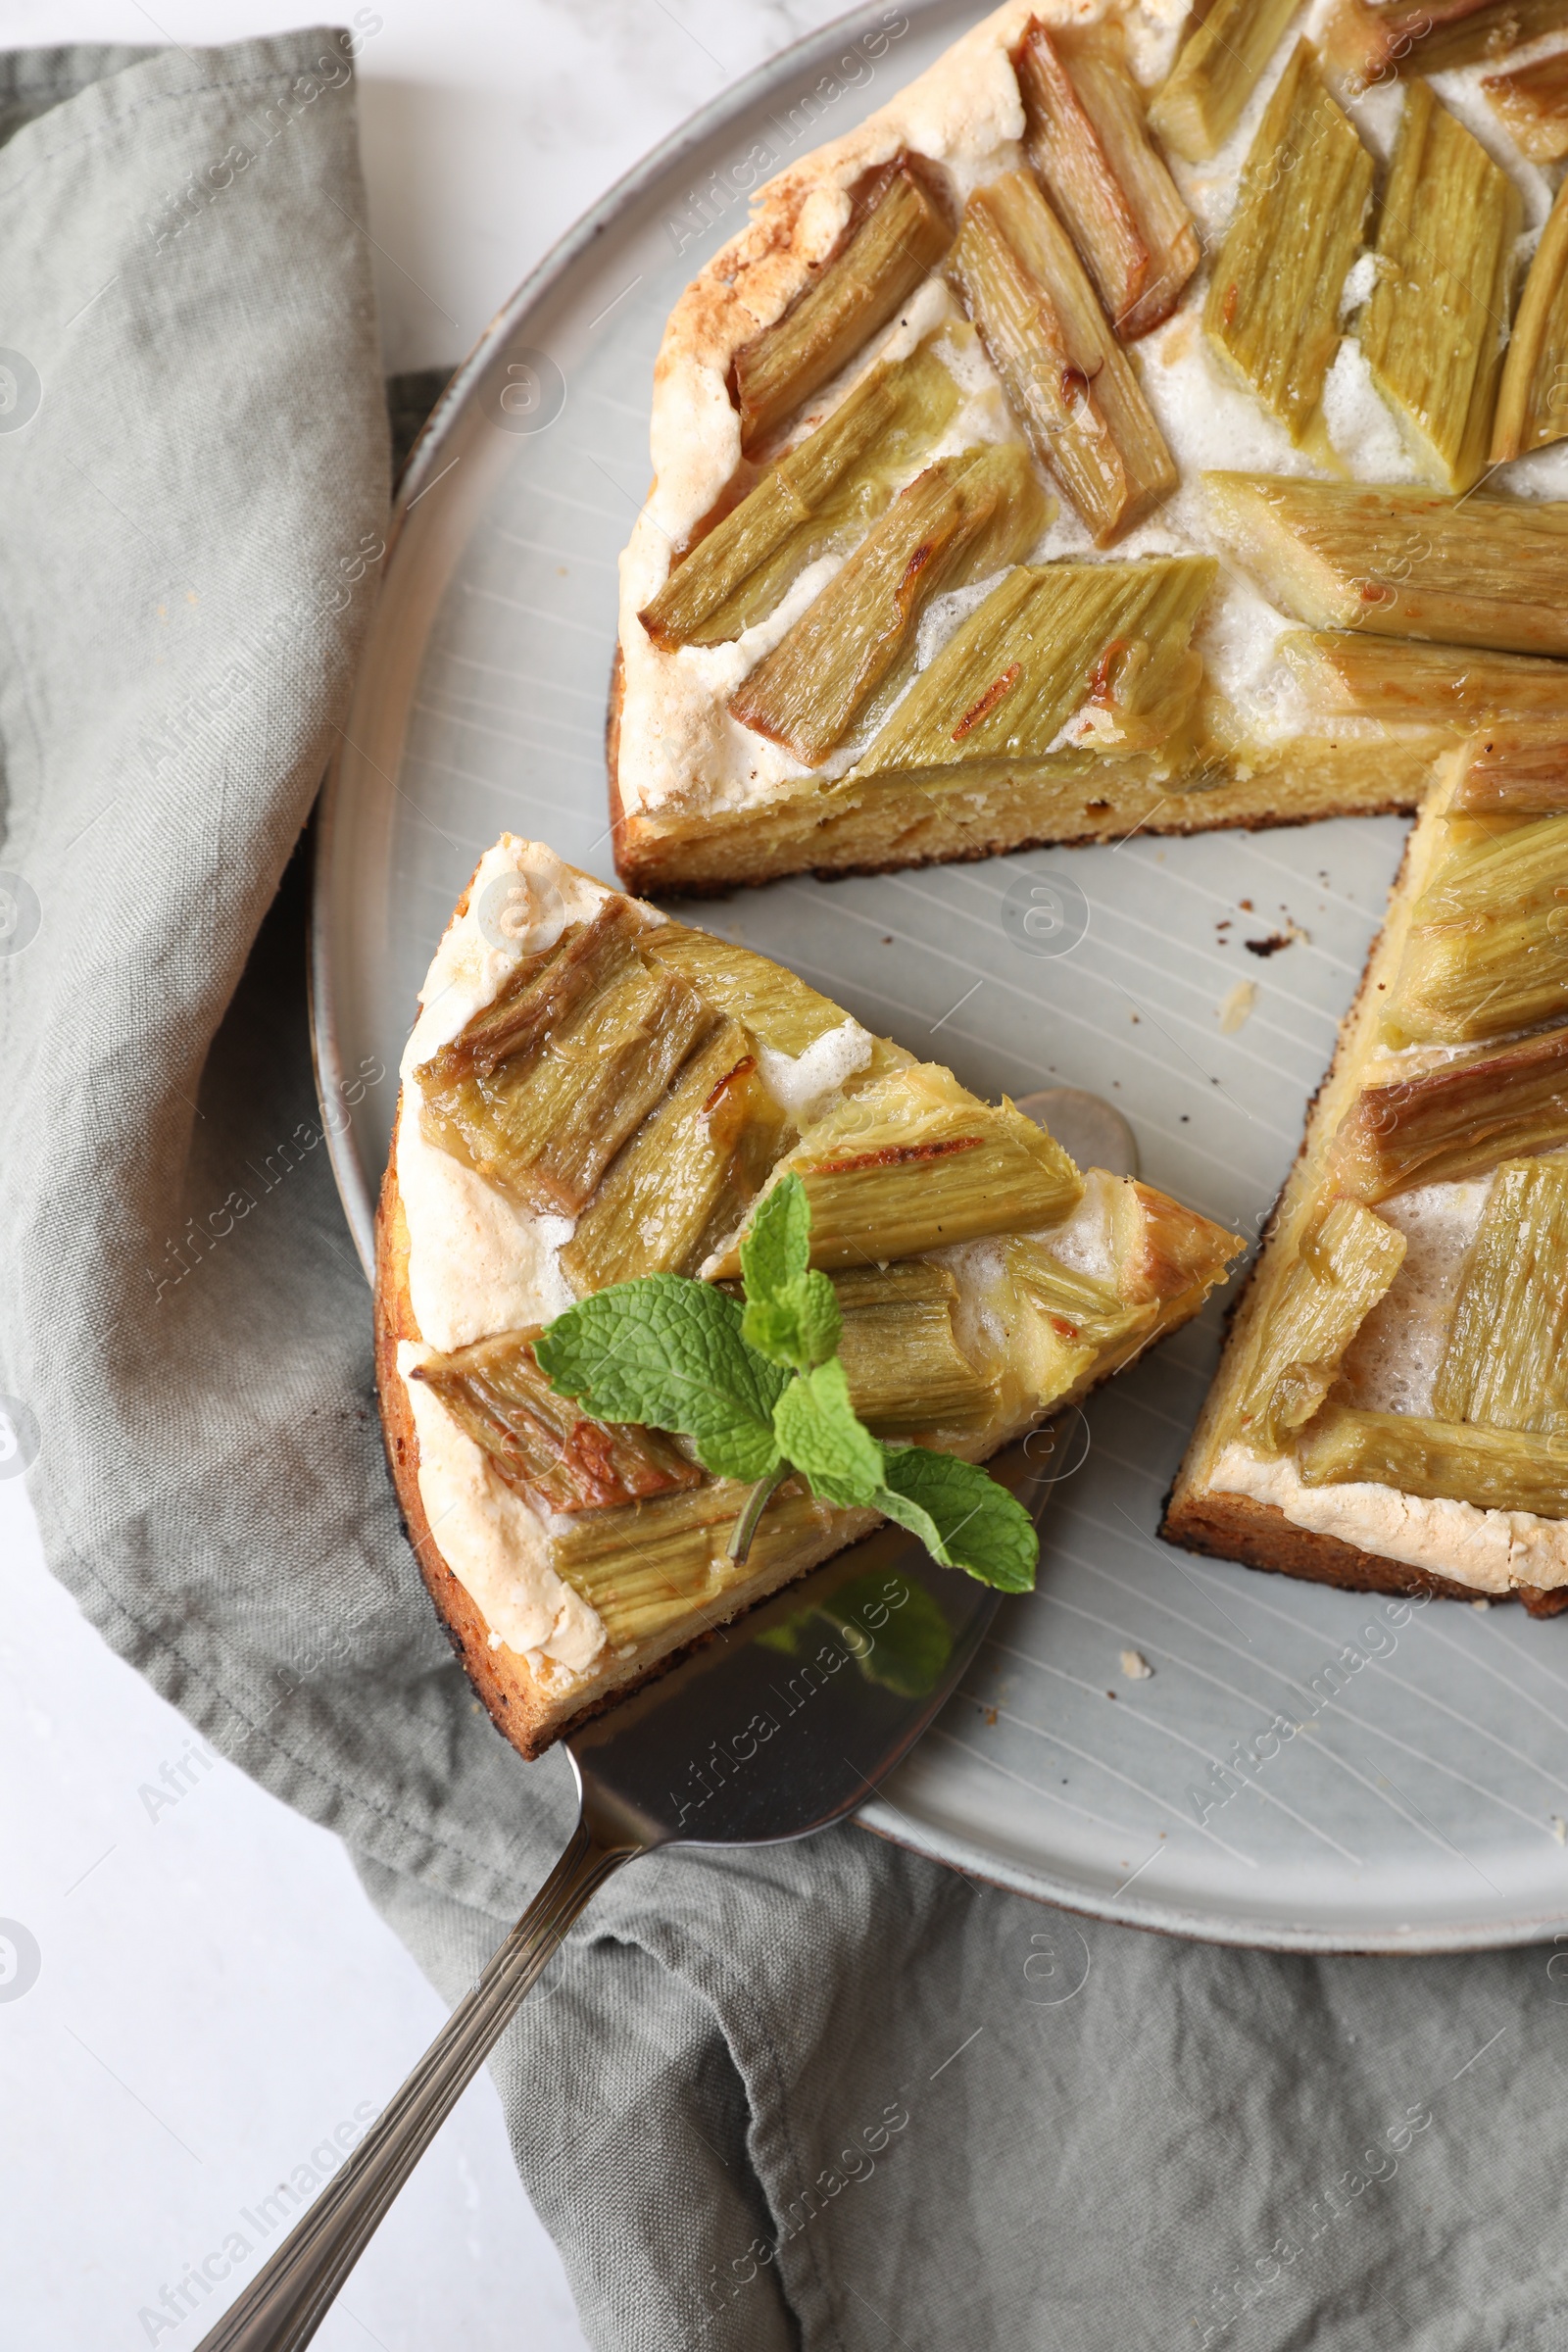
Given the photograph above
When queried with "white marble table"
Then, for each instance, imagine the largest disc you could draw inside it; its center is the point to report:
(212, 1983)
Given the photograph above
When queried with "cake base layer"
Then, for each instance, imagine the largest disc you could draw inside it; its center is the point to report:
(953, 815)
(1236, 1527)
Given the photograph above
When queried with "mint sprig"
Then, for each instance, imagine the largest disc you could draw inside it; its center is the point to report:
(760, 1392)
(792, 1312)
(668, 1353)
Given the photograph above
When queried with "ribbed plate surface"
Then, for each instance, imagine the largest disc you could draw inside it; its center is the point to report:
(1413, 1808)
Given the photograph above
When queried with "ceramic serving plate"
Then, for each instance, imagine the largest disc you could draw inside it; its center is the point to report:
(1303, 1768)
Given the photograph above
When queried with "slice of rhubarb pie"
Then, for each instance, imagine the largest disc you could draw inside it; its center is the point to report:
(1392, 1410)
(594, 1096)
(1122, 427)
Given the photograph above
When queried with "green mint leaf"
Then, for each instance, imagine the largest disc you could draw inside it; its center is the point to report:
(792, 1314)
(769, 1326)
(818, 1431)
(673, 1353)
(961, 1515)
(816, 1308)
(777, 1250)
(668, 1353)
(799, 1326)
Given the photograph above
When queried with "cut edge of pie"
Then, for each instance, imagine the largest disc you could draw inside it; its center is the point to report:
(703, 857)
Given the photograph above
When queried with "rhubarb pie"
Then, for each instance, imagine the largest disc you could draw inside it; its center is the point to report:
(1122, 427)
(592, 1094)
(1392, 1410)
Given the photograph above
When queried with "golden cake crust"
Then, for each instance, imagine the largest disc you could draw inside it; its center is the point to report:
(513, 1696)
(1236, 1527)
(837, 834)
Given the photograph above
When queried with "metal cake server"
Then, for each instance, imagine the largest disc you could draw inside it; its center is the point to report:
(782, 1723)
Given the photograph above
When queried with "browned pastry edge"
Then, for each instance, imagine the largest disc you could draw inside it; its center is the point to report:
(512, 1695)
(1237, 1527)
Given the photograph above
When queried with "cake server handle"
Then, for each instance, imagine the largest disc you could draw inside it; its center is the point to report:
(288, 2300)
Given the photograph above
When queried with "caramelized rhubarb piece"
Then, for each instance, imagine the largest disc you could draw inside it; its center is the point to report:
(1090, 1312)
(687, 1177)
(899, 231)
(1432, 330)
(1096, 58)
(1495, 1469)
(649, 1565)
(1063, 1327)
(1512, 772)
(1532, 103)
(1409, 683)
(1464, 981)
(906, 1370)
(1506, 1357)
(767, 997)
(911, 1162)
(820, 497)
(963, 519)
(1112, 640)
(1273, 306)
(1487, 950)
(1487, 870)
(1373, 43)
(541, 1444)
(1078, 176)
(1402, 562)
(1070, 386)
(1202, 102)
(1455, 1121)
(1163, 1251)
(643, 1568)
(1090, 1322)
(542, 991)
(1532, 397)
(540, 1091)
(1342, 1264)
(1066, 1327)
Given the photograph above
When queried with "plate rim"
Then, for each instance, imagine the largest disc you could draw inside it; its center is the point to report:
(357, 1196)
(1200, 1927)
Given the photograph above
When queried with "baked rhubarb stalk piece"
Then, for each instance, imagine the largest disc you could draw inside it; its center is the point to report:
(615, 1130)
(1391, 1409)
(985, 456)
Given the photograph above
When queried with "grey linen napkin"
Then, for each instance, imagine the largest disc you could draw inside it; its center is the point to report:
(829, 2095)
